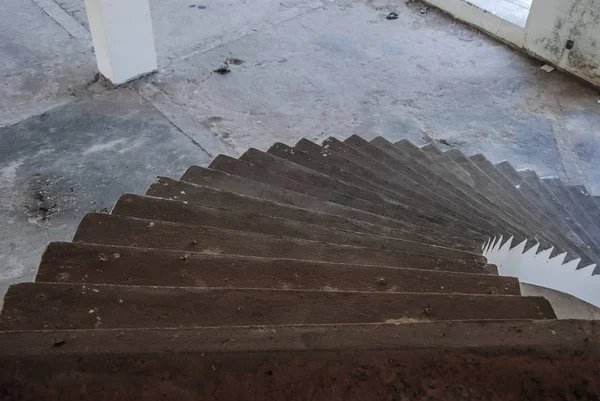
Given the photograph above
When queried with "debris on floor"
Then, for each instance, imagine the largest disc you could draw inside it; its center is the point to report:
(392, 15)
(234, 61)
(223, 70)
(424, 10)
(547, 68)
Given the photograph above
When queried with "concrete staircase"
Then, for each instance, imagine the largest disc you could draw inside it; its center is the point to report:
(354, 270)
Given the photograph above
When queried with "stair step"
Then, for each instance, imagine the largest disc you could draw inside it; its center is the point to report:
(50, 306)
(586, 201)
(168, 188)
(484, 185)
(532, 179)
(542, 203)
(224, 181)
(416, 199)
(194, 214)
(465, 187)
(560, 191)
(81, 263)
(491, 359)
(431, 149)
(128, 231)
(544, 224)
(267, 168)
(456, 189)
(428, 173)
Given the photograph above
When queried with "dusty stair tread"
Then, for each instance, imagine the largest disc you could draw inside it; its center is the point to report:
(129, 231)
(263, 190)
(409, 175)
(194, 214)
(430, 174)
(417, 200)
(577, 208)
(81, 263)
(540, 201)
(560, 191)
(482, 183)
(52, 306)
(550, 360)
(452, 186)
(475, 189)
(553, 231)
(431, 149)
(303, 195)
(450, 182)
(531, 178)
(582, 195)
(543, 336)
(320, 213)
(362, 153)
(264, 166)
(364, 146)
(486, 183)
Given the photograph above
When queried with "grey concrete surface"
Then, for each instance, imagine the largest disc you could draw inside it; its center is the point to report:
(310, 69)
(74, 159)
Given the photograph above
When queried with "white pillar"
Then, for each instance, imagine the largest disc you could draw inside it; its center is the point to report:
(123, 39)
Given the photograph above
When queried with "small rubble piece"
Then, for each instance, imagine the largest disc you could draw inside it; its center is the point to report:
(424, 10)
(223, 70)
(547, 68)
(392, 15)
(234, 61)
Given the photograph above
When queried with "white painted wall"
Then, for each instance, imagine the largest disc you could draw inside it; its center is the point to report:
(123, 38)
(551, 23)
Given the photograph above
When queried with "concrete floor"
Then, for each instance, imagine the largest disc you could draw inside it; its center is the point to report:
(313, 68)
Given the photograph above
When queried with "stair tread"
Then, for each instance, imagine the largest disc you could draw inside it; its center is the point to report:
(544, 223)
(540, 201)
(184, 191)
(378, 178)
(483, 184)
(129, 231)
(504, 336)
(559, 190)
(82, 263)
(287, 174)
(532, 179)
(265, 190)
(43, 306)
(495, 360)
(194, 214)
(582, 195)
(480, 205)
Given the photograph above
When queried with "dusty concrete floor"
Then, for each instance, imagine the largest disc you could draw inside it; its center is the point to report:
(313, 68)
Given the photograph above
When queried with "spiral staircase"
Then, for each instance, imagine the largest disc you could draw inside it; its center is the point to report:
(350, 270)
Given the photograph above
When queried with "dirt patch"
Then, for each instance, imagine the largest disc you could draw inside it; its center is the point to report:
(46, 197)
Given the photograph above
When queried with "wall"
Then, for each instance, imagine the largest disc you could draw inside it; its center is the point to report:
(550, 25)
